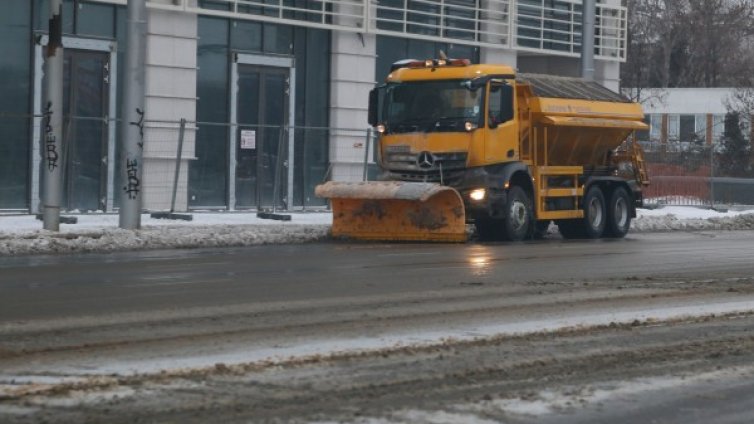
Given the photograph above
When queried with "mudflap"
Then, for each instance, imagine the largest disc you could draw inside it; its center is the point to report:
(395, 211)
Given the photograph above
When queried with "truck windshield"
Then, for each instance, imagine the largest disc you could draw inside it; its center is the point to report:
(431, 106)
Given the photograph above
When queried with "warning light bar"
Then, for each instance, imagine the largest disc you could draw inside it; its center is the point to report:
(429, 63)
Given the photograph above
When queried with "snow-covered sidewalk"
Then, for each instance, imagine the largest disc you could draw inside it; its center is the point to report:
(23, 234)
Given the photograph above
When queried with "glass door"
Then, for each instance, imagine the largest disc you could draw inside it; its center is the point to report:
(85, 129)
(262, 137)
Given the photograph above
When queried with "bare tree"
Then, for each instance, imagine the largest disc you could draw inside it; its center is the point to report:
(689, 43)
(714, 48)
(652, 36)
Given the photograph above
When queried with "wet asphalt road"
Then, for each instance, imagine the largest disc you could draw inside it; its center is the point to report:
(92, 284)
(176, 317)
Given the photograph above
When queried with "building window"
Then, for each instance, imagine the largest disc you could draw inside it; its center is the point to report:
(643, 135)
(655, 127)
(687, 128)
(701, 128)
(393, 49)
(674, 124)
(718, 126)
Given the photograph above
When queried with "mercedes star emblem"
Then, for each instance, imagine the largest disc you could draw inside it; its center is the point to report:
(425, 160)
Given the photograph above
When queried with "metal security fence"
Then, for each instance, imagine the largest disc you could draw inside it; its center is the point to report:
(208, 165)
(186, 165)
(696, 174)
(255, 166)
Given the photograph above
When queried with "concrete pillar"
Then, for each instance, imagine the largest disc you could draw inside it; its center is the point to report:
(490, 55)
(170, 96)
(352, 64)
(495, 25)
(607, 73)
(552, 65)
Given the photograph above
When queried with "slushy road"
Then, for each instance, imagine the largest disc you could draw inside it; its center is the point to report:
(541, 331)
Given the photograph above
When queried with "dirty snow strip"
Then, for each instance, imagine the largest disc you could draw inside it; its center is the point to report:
(99, 232)
(10, 224)
(314, 346)
(554, 402)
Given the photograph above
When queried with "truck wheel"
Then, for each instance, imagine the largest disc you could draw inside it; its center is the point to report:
(518, 222)
(618, 214)
(594, 213)
(593, 223)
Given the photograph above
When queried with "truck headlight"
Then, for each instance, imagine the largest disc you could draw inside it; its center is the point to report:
(478, 194)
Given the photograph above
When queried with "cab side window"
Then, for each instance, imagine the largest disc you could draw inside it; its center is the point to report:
(495, 112)
(500, 107)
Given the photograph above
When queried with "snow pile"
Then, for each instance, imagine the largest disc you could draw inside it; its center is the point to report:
(691, 219)
(21, 235)
(112, 239)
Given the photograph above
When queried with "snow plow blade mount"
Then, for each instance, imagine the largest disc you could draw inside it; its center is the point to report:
(395, 211)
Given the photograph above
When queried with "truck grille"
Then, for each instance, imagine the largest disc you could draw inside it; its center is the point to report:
(426, 166)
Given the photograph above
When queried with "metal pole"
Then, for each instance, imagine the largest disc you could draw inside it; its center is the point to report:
(278, 168)
(712, 175)
(181, 131)
(132, 130)
(366, 153)
(53, 121)
(304, 179)
(587, 40)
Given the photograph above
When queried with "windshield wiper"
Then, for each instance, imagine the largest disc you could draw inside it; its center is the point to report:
(430, 124)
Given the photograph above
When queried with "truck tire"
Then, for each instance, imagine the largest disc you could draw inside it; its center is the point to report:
(618, 214)
(595, 213)
(593, 224)
(518, 223)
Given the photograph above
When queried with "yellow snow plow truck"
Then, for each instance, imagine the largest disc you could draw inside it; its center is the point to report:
(461, 143)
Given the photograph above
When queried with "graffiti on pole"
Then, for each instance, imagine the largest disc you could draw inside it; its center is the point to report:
(51, 147)
(132, 171)
(140, 125)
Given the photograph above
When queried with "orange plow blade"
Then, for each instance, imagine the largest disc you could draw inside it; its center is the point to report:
(395, 211)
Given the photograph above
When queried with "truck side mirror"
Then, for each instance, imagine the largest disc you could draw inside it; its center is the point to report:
(374, 100)
(506, 103)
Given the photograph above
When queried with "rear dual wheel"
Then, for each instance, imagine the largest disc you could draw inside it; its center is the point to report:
(611, 218)
(618, 214)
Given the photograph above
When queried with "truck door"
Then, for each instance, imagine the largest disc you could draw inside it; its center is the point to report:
(501, 140)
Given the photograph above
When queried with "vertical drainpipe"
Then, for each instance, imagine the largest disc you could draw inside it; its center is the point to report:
(52, 179)
(587, 40)
(132, 128)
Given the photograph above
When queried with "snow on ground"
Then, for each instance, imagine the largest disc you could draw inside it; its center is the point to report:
(23, 234)
(691, 218)
(99, 232)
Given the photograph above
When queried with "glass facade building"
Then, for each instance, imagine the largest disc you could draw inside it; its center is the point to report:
(274, 92)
